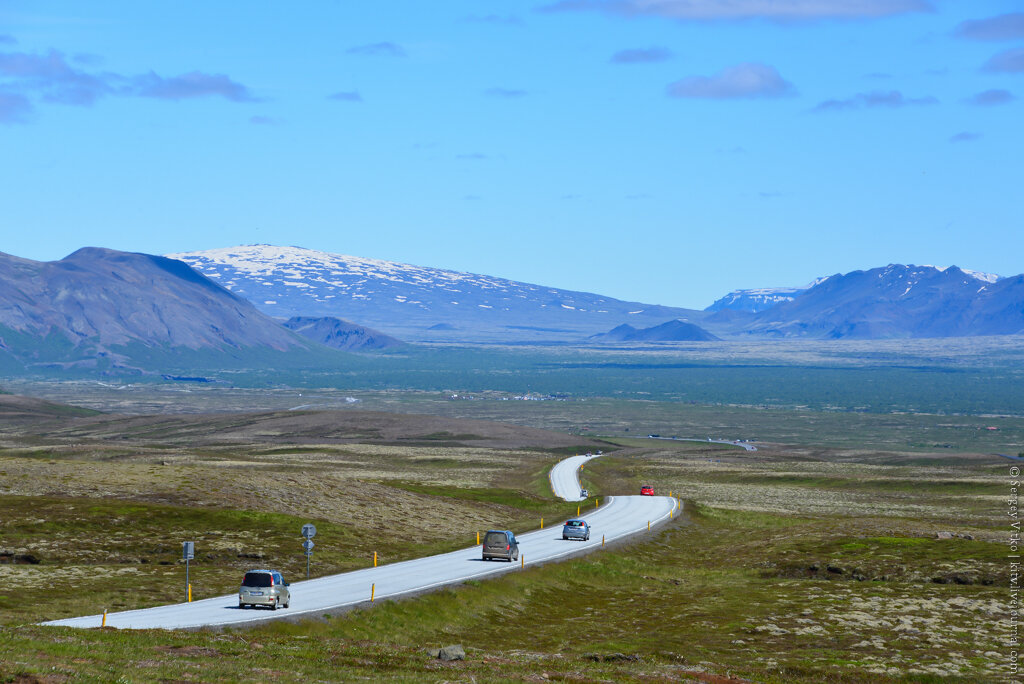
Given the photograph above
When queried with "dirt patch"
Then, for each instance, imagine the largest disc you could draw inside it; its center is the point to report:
(189, 651)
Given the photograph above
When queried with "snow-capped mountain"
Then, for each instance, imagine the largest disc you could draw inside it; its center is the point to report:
(414, 303)
(897, 301)
(762, 298)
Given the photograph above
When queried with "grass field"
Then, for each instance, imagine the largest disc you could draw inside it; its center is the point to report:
(794, 563)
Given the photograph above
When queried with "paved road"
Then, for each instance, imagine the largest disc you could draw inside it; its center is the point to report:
(616, 518)
(734, 442)
(565, 482)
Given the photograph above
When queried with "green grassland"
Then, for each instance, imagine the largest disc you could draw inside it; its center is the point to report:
(792, 563)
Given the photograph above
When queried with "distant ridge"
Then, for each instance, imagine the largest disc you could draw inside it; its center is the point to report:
(897, 301)
(670, 331)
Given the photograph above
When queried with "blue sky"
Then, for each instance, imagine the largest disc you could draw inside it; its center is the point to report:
(664, 151)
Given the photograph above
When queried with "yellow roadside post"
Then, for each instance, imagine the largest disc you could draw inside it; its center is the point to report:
(478, 538)
(542, 523)
(597, 503)
(670, 493)
(104, 623)
(522, 562)
(670, 513)
(648, 525)
(374, 559)
(190, 593)
(602, 540)
(373, 588)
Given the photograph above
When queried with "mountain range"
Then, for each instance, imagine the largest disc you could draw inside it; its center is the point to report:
(100, 308)
(428, 305)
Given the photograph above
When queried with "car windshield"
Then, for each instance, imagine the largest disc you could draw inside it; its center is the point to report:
(258, 579)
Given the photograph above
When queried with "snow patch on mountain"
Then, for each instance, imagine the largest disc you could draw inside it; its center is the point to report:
(410, 301)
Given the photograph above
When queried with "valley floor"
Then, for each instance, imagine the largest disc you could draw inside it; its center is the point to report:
(796, 563)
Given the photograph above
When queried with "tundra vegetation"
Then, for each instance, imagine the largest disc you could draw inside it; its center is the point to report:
(794, 563)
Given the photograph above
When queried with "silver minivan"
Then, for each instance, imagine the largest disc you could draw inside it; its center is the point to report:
(576, 529)
(264, 588)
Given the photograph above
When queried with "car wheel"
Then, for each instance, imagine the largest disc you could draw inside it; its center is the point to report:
(564, 538)
(273, 606)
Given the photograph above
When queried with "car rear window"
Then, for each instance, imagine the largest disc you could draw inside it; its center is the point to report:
(258, 579)
(496, 538)
(574, 523)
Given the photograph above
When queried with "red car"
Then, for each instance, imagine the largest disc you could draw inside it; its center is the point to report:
(646, 491)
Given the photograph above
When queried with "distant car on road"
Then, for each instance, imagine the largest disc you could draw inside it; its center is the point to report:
(584, 493)
(500, 544)
(576, 529)
(646, 491)
(264, 588)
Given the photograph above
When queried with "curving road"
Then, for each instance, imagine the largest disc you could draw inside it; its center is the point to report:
(617, 517)
(564, 477)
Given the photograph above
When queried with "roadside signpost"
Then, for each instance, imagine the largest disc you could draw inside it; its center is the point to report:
(308, 531)
(188, 552)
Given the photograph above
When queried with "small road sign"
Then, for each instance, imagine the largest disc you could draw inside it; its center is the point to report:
(308, 545)
(188, 552)
(309, 530)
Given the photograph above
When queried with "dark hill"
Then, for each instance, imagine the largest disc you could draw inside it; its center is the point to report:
(96, 303)
(671, 331)
(339, 334)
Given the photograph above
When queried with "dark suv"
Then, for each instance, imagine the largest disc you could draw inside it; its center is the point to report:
(500, 544)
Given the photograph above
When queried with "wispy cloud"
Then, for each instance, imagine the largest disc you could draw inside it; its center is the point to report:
(505, 93)
(641, 55)
(50, 77)
(346, 96)
(7, 39)
(1004, 27)
(964, 136)
(191, 85)
(500, 19)
(14, 109)
(1008, 61)
(773, 10)
(384, 49)
(890, 99)
(472, 156)
(991, 98)
(264, 121)
(748, 80)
